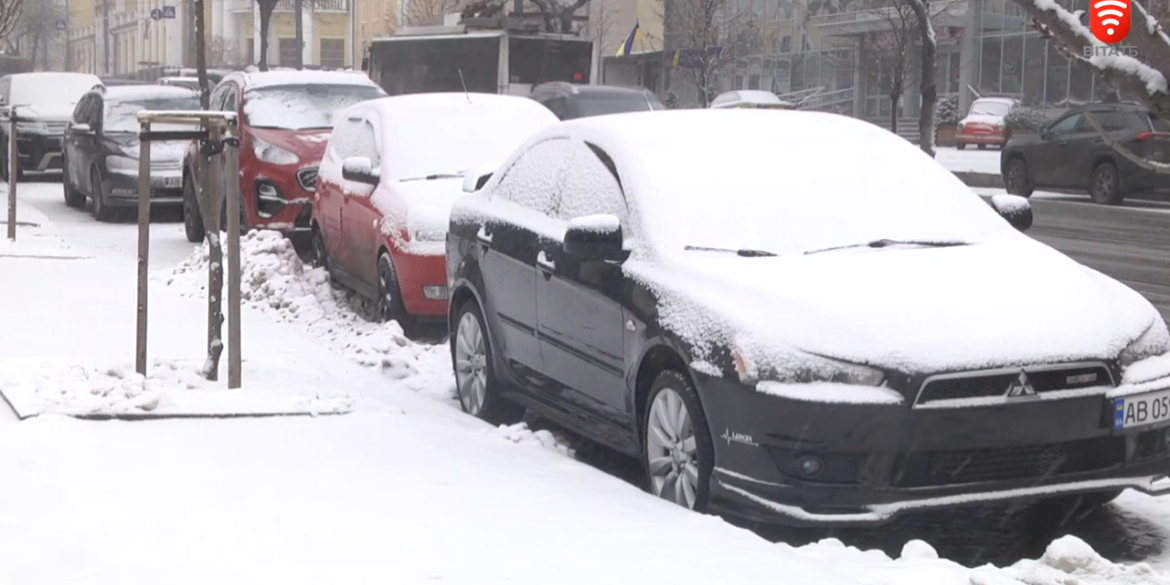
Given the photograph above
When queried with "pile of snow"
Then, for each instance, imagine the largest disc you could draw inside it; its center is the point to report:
(85, 390)
(520, 433)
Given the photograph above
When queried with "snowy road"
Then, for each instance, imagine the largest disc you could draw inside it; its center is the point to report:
(1137, 528)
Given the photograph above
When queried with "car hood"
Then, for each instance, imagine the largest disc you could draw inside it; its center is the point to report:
(307, 144)
(421, 210)
(161, 151)
(1009, 302)
(982, 119)
(47, 112)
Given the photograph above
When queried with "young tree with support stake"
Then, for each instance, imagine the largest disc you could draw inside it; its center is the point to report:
(1140, 73)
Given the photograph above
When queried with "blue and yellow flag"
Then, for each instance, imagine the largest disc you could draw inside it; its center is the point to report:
(628, 46)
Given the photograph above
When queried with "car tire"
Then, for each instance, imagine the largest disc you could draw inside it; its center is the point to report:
(961, 145)
(73, 197)
(677, 450)
(1016, 179)
(1105, 184)
(101, 208)
(192, 218)
(320, 252)
(390, 305)
(477, 386)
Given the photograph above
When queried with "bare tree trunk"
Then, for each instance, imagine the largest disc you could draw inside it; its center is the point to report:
(299, 8)
(266, 9)
(928, 88)
(201, 56)
(894, 99)
(209, 180)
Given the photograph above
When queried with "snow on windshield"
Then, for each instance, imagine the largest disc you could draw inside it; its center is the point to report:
(51, 89)
(122, 115)
(981, 108)
(452, 136)
(790, 182)
(302, 107)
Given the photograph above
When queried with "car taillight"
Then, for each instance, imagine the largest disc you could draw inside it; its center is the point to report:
(1148, 135)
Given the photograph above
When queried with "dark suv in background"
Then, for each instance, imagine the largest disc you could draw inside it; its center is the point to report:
(45, 103)
(1071, 155)
(569, 101)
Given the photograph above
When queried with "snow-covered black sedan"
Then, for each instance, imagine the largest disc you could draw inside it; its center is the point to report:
(799, 318)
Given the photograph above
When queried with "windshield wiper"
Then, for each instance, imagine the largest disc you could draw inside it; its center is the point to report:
(746, 253)
(434, 177)
(885, 242)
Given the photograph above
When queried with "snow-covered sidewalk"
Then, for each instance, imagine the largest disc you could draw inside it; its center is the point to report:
(405, 489)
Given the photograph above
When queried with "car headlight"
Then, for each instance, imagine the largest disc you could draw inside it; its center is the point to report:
(1154, 341)
(812, 369)
(31, 127)
(426, 224)
(272, 154)
(121, 164)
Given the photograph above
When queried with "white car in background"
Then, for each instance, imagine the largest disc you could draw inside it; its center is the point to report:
(985, 123)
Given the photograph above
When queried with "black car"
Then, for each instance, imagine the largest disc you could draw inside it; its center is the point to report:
(816, 348)
(1070, 155)
(569, 101)
(101, 149)
(43, 103)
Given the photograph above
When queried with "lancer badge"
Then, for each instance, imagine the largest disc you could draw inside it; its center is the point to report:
(1021, 387)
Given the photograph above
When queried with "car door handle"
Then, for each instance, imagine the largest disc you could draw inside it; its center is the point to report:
(548, 267)
(484, 236)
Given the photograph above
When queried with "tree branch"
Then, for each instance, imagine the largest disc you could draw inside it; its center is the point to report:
(1149, 165)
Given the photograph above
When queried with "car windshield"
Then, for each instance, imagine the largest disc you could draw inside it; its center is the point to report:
(302, 107)
(617, 103)
(982, 108)
(122, 115)
(753, 192)
(51, 89)
(449, 141)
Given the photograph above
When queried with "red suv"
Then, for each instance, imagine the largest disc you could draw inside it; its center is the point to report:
(393, 169)
(285, 121)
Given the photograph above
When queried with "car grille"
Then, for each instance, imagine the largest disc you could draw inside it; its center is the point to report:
(307, 177)
(996, 383)
(166, 165)
(940, 468)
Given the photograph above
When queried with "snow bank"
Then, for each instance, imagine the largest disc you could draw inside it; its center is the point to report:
(85, 390)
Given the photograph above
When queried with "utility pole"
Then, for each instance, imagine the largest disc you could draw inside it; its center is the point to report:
(300, 24)
(105, 14)
(68, 43)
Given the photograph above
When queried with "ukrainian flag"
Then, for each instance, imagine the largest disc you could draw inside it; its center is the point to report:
(628, 46)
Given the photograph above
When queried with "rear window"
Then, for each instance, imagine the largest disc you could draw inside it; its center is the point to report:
(1158, 124)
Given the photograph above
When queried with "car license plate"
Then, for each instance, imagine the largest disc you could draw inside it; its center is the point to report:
(172, 182)
(1141, 410)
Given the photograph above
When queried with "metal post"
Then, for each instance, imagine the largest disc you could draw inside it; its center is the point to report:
(232, 152)
(299, 24)
(143, 246)
(13, 172)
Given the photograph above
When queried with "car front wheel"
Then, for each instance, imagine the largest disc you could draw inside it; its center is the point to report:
(101, 209)
(676, 446)
(476, 384)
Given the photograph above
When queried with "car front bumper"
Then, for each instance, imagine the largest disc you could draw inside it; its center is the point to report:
(878, 461)
(423, 281)
(166, 188)
(39, 152)
(977, 137)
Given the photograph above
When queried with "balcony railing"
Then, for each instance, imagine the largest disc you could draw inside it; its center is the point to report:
(290, 5)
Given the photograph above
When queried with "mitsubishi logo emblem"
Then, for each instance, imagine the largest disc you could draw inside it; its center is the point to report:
(1021, 387)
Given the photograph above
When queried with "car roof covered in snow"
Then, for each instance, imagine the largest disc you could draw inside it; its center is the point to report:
(252, 80)
(414, 104)
(137, 92)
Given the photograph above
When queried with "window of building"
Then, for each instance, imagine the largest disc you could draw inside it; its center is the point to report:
(289, 50)
(333, 53)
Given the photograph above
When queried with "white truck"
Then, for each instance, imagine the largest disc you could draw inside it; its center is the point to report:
(454, 58)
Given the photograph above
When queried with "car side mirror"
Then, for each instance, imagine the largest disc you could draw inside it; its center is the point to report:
(475, 180)
(594, 237)
(359, 169)
(82, 128)
(1015, 209)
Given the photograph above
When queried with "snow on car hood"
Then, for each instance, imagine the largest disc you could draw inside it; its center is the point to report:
(982, 119)
(47, 112)
(170, 150)
(1010, 302)
(418, 214)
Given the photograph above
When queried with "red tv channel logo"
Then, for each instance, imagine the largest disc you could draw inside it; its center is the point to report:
(1110, 19)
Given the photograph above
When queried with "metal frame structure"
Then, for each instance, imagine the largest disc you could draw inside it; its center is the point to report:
(220, 131)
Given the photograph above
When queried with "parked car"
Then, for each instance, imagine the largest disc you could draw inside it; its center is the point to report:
(44, 101)
(1070, 154)
(569, 101)
(762, 353)
(187, 82)
(985, 123)
(101, 152)
(392, 170)
(118, 81)
(285, 121)
(752, 99)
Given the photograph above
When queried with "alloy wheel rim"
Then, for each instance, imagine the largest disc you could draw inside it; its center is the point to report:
(1016, 174)
(671, 451)
(1105, 181)
(385, 299)
(470, 364)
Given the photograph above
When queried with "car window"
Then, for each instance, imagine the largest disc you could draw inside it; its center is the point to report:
(217, 95)
(557, 104)
(590, 186)
(1158, 124)
(1066, 125)
(1106, 119)
(1116, 120)
(355, 136)
(93, 113)
(534, 180)
(231, 99)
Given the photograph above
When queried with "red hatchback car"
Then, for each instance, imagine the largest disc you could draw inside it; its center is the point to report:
(393, 168)
(285, 121)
